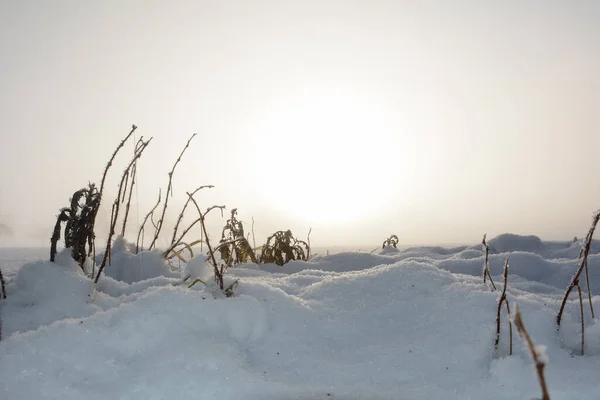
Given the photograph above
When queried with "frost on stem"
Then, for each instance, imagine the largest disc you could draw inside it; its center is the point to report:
(504, 300)
(486, 264)
(538, 353)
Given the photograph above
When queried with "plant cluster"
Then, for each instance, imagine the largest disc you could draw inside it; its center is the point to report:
(282, 247)
(391, 241)
(79, 220)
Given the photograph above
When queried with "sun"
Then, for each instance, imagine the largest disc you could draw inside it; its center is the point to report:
(323, 156)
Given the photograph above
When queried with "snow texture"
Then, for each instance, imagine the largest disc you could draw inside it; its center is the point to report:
(412, 324)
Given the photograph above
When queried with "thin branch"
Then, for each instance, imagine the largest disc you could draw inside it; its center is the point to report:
(218, 274)
(253, 237)
(582, 320)
(540, 363)
(504, 300)
(141, 231)
(115, 212)
(575, 280)
(169, 192)
(486, 264)
(133, 175)
(187, 202)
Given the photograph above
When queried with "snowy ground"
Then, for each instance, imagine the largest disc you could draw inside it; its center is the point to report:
(412, 324)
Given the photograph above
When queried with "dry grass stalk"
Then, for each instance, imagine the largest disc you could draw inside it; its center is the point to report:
(582, 319)
(540, 363)
(486, 263)
(583, 256)
(2, 285)
(115, 208)
(253, 236)
(159, 224)
(102, 182)
(504, 300)
(133, 175)
(308, 244)
(139, 245)
(218, 271)
(180, 218)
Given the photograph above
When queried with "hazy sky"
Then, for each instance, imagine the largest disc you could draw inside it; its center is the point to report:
(435, 120)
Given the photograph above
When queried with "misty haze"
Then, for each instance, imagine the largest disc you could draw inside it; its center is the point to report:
(299, 199)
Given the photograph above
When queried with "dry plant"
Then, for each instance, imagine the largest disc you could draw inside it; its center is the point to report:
(2, 285)
(178, 241)
(486, 263)
(583, 255)
(103, 181)
(504, 300)
(391, 241)
(139, 245)
(159, 224)
(116, 204)
(234, 246)
(219, 270)
(282, 247)
(79, 224)
(80, 217)
(131, 176)
(537, 354)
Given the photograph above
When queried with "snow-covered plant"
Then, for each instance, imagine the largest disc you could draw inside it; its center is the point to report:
(538, 353)
(391, 241)
(282, 247)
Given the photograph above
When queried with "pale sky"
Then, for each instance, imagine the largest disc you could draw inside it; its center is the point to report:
(434, 120)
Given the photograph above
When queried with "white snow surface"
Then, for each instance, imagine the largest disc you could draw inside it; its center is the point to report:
(412, 324)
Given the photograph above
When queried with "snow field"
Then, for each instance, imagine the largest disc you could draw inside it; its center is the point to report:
(416, 324)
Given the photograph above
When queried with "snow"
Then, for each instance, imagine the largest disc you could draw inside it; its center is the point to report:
(411, 324)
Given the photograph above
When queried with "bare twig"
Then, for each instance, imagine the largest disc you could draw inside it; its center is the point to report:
(2, 285)
(138, 245)
(504, 300)
(218, 272)
(187, 202)
(486, 263)
(253, 237)
(308, 243)
(540, 363)
(583, 256)
(582, 320)
(115, 210)
(169, 192)
(133, 175)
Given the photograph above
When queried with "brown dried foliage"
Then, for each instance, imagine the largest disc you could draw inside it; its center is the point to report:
(282, 247)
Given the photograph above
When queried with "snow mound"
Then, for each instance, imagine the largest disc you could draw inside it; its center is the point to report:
(509, 242)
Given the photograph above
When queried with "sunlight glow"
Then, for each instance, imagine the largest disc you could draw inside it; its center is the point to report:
(326, 154)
